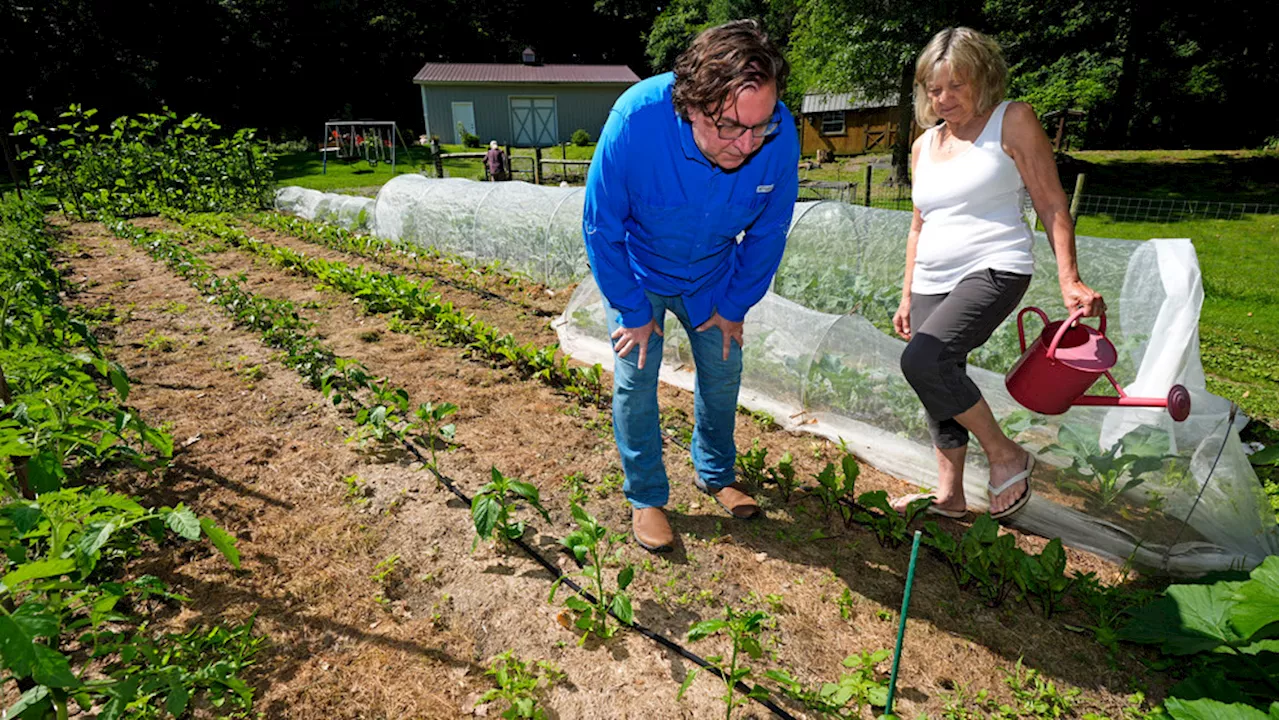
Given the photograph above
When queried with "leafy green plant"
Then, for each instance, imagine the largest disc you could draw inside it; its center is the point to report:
(138, 165)
(873, 510)
(845, 697)
(592, 543)
(784, 476)
(54, 545)
(1043, 577)
(831, 489)
(493, 508)
(580, 138)
(1208, 708)
(752, 465)
(1105, 475)
(845, 603)
(991, 559)
(434, 430)
(1106, 607)
(743, 629)
(1228, 631)
(520, 685)
(1037, 697)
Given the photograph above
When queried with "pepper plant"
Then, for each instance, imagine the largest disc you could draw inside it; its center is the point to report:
(493, 508)
(592, 543)
(743, 629)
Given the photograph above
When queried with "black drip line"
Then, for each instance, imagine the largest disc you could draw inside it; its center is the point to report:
(653, 635)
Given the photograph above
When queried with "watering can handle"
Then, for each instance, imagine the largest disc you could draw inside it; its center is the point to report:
(1022, 337)
(1057, 337)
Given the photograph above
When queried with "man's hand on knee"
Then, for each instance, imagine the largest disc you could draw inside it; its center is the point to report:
(625, 339)
(729, 330)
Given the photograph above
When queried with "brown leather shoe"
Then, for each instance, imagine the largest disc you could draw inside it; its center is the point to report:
(735, 499)
(651, 530)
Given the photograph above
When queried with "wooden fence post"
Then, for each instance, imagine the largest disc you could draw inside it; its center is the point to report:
(537, 165)
(510, 176)
(867, 181)
(439, 161)
(1075, 197)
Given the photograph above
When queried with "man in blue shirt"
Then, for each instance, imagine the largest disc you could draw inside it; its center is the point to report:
(688, 202)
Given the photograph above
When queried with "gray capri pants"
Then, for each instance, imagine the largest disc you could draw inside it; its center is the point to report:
(944, 330)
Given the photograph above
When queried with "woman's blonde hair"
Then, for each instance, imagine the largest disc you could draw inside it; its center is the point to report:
(970, 55)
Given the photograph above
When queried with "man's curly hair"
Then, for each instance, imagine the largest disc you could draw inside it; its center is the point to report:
(723, 60)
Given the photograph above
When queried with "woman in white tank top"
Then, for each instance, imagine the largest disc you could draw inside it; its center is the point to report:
(969, 253)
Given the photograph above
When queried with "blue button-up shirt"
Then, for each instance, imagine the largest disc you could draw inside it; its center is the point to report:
(659, 216)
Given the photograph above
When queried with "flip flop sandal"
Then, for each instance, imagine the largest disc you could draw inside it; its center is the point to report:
(934, 509)
(1021, 502)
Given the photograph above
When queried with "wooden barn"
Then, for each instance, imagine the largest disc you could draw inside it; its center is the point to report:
(848, 124)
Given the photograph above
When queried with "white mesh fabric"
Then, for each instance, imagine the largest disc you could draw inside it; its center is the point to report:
(814, 366)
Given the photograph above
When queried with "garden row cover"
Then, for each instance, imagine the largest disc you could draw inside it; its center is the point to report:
(820, 357)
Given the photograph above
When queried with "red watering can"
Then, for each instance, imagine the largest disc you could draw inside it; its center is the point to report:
(1063, 363)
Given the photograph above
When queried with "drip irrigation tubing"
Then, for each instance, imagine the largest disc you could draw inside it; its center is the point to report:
(550, 567)
(451, 485)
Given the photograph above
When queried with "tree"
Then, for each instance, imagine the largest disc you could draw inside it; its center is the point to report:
(870, 47)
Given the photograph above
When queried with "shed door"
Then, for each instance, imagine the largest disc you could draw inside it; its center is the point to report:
(464, 114)
(533, 121)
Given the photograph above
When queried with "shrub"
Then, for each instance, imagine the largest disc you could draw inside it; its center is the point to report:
(468, 140)
(580, 138)
(137, 165)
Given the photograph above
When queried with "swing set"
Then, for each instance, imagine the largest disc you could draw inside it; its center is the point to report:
(373, 141)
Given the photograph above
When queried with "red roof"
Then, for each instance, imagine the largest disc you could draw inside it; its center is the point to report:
(517, 73)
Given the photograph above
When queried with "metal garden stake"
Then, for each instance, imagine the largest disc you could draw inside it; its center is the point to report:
(902, 624)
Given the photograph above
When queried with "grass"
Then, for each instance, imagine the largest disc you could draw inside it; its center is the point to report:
(1238, 321)
(305, 169)
(1240, 176)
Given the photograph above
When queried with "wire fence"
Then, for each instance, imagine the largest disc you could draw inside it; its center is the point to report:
(1165, 210)
(897, 196)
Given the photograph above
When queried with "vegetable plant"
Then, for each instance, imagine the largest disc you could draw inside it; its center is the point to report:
(743, 629)
(1105, 475)
(520, 684)
(873, 510)
(831, 488)
(1227, 631)
(593, 544)
(493, 508)
(845, 697)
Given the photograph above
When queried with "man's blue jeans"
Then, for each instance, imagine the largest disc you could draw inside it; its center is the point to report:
(635, 408)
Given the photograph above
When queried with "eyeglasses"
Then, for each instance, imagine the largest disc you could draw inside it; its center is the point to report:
(732, 130)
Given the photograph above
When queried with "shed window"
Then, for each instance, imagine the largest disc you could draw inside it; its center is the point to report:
(833, 123)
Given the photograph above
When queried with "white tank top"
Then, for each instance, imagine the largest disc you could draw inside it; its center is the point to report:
(972, 211)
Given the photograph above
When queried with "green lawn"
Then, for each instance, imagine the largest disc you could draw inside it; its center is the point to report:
(1241, 311)
(1238, 176)
(304, 169)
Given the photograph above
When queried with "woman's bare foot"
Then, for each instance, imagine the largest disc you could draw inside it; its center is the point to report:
(1004, 470)
(949, 507)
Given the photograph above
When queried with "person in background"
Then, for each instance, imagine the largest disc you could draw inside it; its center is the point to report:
(969, 253)
(688, 200)
(495, 162)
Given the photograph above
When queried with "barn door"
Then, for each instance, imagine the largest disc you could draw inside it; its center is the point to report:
(464, 118)
(533, 121)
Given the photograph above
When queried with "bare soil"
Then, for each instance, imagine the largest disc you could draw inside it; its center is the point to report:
(269, 459)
